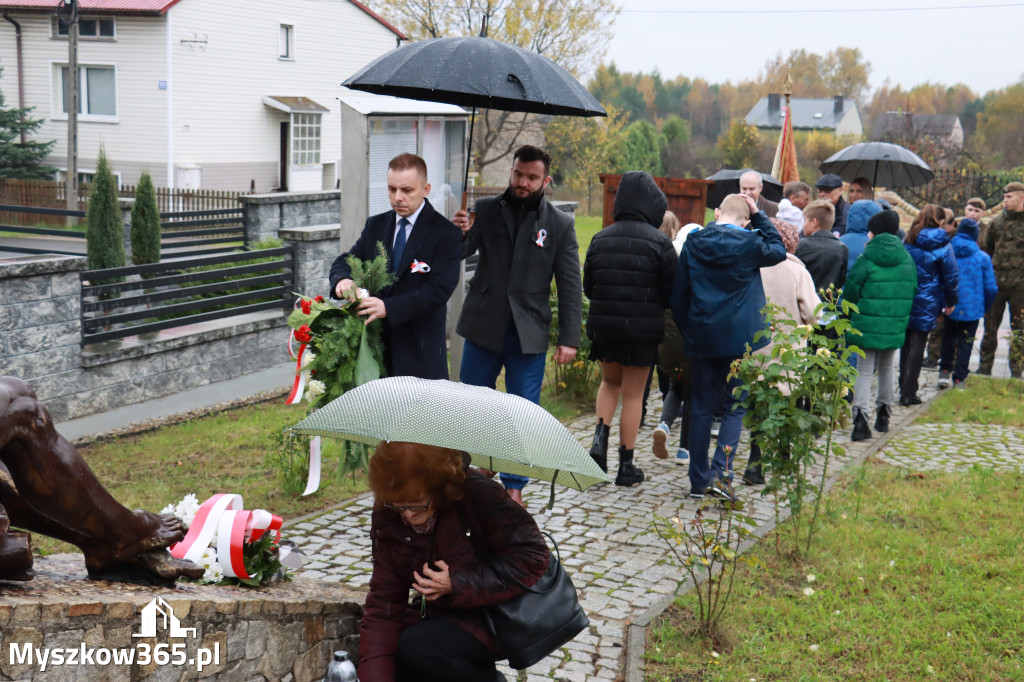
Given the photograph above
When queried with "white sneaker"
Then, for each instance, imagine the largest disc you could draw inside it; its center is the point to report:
(660, 439)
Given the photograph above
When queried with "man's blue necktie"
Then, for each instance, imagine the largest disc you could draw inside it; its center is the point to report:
(396, 252)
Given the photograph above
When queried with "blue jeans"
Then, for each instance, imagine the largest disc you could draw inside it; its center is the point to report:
(709, 388)
(524, 374)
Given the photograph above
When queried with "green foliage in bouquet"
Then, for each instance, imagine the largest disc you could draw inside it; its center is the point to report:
(262, 562)
(347, 352)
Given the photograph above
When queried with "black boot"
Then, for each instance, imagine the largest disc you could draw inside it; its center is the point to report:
(599, 450)
(753, 474)
(861, 430)
(628, 474)
(882, 420)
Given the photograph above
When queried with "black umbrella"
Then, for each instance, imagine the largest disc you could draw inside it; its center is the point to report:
(883, 163)
(727, 181)
(477, 72)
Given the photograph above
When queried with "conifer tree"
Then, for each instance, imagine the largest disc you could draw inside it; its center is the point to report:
(145, 232)
(104, 233)
(18, 159)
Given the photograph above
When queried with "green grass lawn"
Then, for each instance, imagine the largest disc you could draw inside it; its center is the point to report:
(586, 227)
(916, 576)
(987, 401)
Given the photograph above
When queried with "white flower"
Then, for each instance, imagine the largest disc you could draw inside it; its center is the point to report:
(811, 577)
(824, 353)
(929, 669)
(808, 591)
(892, 563)
(214, 574)
(316, 387)
(307, 358)
(813, 647)
(845, 392)
(186, 509)
(714, 654)
(169, 509)
(843, 516)
(805, 328)
(836, 612)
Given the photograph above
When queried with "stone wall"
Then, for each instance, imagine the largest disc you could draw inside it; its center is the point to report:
(265, 214)
(283, 632)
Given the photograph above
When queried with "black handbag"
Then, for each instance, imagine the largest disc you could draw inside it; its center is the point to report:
(538, 620)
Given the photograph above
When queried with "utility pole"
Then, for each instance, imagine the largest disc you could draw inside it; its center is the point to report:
(71, 95)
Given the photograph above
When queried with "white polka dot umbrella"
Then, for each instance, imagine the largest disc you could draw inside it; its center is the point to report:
(501, 432)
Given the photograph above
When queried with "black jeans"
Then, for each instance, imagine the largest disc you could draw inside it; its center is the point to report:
(911, 359)
(438, 650)
(957, 341)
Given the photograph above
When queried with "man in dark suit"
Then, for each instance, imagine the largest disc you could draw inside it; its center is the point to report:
(523, 242)
(425, 249)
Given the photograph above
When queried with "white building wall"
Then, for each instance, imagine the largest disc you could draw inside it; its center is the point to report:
(229, 61)
(136, 140)
(850, 124)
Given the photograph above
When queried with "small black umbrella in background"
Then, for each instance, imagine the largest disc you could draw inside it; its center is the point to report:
(477, 72)
(727, 181)
(883, 163)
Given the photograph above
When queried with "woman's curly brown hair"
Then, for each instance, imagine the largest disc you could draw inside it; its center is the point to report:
(402, 472)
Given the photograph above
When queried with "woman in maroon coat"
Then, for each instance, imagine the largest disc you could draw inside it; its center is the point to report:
(431, 518)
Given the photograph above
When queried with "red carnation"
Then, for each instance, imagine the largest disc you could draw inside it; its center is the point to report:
(303, 334)
(307, 307)
(319, 299)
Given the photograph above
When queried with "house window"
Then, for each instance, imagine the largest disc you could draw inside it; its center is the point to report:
(84, 177)
(97, 91)
(286, 45)
(89, 28)
(306, 139)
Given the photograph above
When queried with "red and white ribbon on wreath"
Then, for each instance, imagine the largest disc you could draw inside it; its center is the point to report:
(222, 517)
(299, 387)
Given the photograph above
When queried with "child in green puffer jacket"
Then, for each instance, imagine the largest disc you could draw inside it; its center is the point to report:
(882, 284)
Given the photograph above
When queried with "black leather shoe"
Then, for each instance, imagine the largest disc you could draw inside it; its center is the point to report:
(910, 400)
(628, 474)
(882, 420)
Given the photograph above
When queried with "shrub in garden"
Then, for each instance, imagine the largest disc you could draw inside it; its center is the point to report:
(795, 399)
(104, 234)
(708, 549)
(145, 232)
(579, 378)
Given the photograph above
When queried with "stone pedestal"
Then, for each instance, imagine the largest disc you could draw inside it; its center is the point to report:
(283, 632)
(316, 247)
(265, 214)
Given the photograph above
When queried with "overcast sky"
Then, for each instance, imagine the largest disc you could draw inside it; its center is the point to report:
(974, 42)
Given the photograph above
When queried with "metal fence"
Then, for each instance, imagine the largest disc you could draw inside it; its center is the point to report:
(143, 299)
(190, 233)
(952, 187)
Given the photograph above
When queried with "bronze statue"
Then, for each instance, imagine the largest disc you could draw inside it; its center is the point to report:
(46, 487)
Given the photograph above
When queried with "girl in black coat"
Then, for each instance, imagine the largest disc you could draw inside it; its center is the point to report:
(628, 276)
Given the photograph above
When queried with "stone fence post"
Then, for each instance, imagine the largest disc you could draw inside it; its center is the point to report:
(316, 247)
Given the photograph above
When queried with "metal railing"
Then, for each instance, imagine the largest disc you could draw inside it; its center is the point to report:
(142, 299)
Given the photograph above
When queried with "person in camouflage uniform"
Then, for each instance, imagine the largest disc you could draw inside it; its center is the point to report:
(1005, 243)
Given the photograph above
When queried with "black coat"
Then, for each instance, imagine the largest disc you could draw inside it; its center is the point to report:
(414, 329)
(825, 257)
(517, 276)
(630, 266)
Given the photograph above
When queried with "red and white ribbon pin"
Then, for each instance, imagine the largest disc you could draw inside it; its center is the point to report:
(417, 266)
(542, 234)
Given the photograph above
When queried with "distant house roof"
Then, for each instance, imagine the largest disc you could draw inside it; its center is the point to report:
(142, 7)
(896, 123)
(808, 113)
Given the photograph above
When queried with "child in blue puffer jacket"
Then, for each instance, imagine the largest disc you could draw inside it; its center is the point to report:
(978, 290)
(937, 278)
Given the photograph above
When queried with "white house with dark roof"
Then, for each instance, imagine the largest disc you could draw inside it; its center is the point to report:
(837, 114)
(218, 94)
